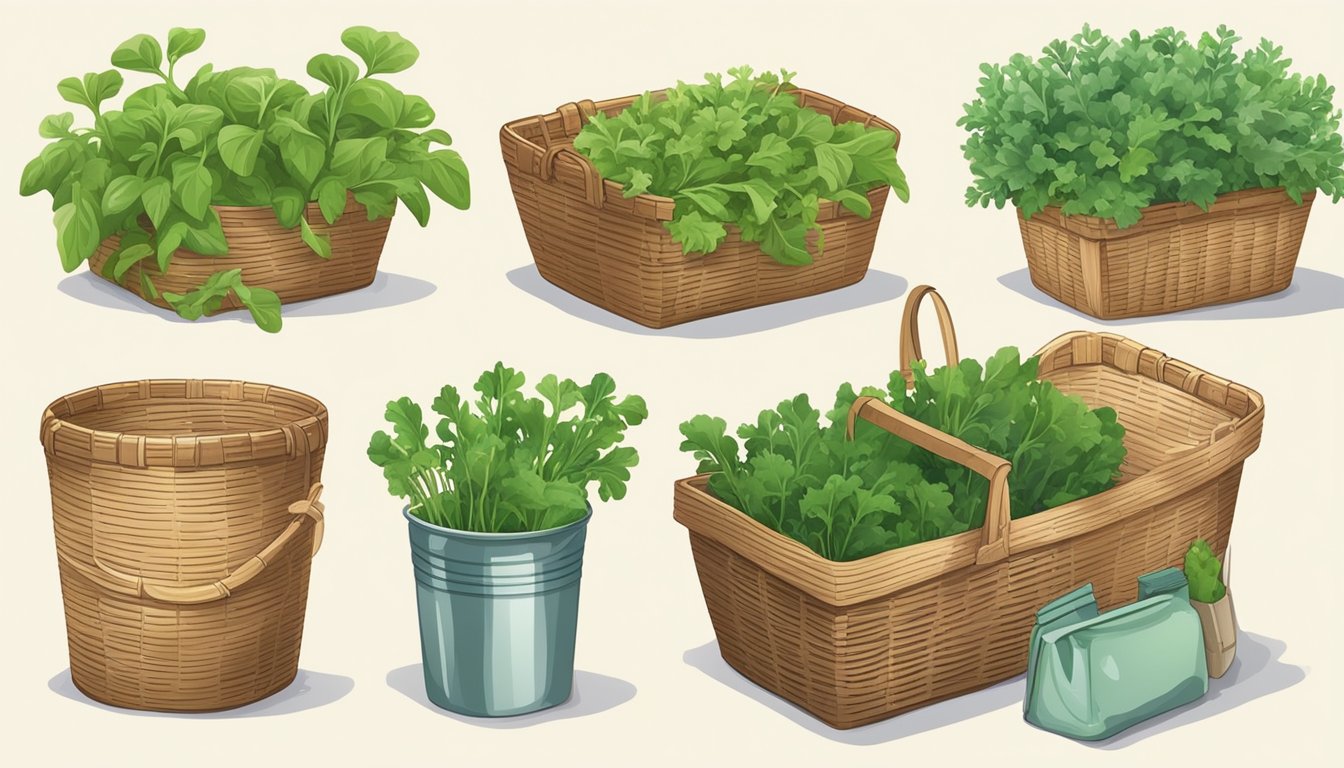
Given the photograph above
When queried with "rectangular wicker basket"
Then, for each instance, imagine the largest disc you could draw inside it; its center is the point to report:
(1177, 257)
(612, 251)
(856, 642)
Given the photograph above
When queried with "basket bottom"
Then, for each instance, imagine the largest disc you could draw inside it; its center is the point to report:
(1044, 287)
(113, 701)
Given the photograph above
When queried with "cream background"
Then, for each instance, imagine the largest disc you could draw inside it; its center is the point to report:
(482, 65)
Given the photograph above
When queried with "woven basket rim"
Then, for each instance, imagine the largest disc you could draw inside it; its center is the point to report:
(59, 413)
(510, 129)
(953, 550)
(1163, 214)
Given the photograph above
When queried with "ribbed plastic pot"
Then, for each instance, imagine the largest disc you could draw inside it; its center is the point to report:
(498, 615)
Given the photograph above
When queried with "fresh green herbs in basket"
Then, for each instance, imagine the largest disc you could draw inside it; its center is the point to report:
(848, 499)
(743, 153)
(152, 170)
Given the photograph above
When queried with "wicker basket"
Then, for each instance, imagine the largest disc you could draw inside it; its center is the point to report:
(1177, 257)
(270, 256)
(856, 642)
(186, 516)
(614, 251)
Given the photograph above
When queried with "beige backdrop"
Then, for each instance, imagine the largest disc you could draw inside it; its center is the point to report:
(651, 691)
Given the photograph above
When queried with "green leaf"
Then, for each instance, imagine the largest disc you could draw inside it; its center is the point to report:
(696, 234)
(56, 126)
(168, 241)
(1135, 163)
(376, 101)
(417, 202)
(834, 166)
(444, 173)
(141, 53)
(238, 148)
(331, 198)
(357, 161)
(129, 257)
(381, 52)
(121, 193)
(289, 204)
(192, 124)
(191, 188)
(156, 196)
(184, 40)
(302, 151)
(263, 304)
(77, 234)
(336, 71)
(92, 90)
(319, 243)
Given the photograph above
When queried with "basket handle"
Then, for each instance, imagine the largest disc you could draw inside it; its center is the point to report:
(910, 347)
(994, 533)
(123, 583)
(573, 116)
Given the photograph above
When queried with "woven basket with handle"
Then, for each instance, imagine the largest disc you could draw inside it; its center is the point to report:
(186, 516)
(613, 251)
(856, 642)
(1177, 257)
(269, 255)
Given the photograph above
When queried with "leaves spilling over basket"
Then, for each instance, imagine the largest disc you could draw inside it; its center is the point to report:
(702, 199)
(913, 573)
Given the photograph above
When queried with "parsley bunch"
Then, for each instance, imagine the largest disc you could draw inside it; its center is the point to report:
(848, 499)
(742, 153)
(517, 463)
(1107, 127)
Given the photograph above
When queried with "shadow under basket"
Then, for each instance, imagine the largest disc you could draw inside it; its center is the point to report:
(588, 239)
(856, 642)
(269, 255)
(1176, 257)
(186, 515)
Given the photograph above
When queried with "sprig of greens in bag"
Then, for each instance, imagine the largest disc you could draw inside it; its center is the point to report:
(516, 463)
(152, 170)
(848, 499)
(743, 153)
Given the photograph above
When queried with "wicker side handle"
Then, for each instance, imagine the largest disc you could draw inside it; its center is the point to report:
(573, 116)
(123, 583)
(994, 534)
(910, 348)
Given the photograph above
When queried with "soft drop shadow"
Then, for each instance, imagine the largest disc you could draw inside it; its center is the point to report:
(309, 690)
(388, 289)
(877, 287)
(1312, 291)
(707, 659)
(593, 693)
(1255, 673)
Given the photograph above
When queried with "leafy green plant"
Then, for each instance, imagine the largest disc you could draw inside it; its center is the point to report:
(1202, 570)
(152, 170)
(517, 463)
(1106, 127)
(848, 499)
(743, 153)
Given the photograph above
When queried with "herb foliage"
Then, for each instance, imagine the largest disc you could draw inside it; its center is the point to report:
(1106, 127)
(1202, 571)
(848, 499)
(515, 463)
(745, 153)
(152, 170)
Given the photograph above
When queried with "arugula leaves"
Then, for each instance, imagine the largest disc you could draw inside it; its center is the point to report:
(1106, 127)
(742, 153)
(516, 463)
(153, 170)
(848, 499)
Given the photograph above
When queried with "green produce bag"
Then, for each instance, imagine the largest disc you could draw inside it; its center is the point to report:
(1091, 675)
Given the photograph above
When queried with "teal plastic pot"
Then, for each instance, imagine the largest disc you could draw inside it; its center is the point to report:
(498, 614)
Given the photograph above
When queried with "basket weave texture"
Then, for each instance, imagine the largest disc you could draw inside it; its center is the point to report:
(186, 515)
(613, 251)
(1176, 257)
(269, 255)
(860, 641)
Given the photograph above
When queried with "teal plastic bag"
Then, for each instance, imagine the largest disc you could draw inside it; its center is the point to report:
(1091, 675)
